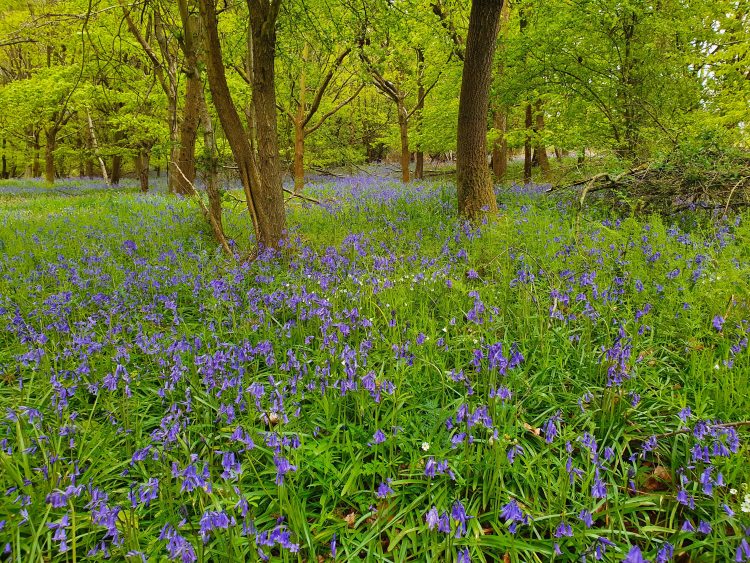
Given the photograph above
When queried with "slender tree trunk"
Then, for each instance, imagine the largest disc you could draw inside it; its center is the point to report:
(212, 165)
(527, 156)
(49, 155)
(35, 168)
(116, 170)
(4, 172)
(539, 148)
(174, 143)
(475, 193)
(142, 165)
(419, 156)
(403, 127)
(88, 163)
(299, 156)
(299, 125)
(95, 146)
(188, 130)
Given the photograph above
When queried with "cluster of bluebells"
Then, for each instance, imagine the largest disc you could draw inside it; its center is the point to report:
(156, 392)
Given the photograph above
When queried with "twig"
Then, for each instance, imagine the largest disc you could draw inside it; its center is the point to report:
(731, 193)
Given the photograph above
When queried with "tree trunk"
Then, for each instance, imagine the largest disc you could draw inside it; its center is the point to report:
(117, 157)
(271, 213)
(212, 165)
(527, 156)
(185, 174)
(141, 165)
(95, 146)
(419, 157)
(475, 193)
(49, 155)
(4, 172)
(539, 148)
(299, 156)
(35, 168)
(261, 178)
(403, 127)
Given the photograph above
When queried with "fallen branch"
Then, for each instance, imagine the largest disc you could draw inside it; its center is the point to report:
(306, 198)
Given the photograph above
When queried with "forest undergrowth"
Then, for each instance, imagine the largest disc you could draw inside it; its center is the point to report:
(397, 385)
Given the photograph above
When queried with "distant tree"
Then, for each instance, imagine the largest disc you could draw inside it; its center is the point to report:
(474, 184)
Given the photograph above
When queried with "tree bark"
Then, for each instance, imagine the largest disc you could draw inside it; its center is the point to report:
(527, 156)
(49, 155)
(142, 165)
(539, 148)
(260, 174)
(212, 165)
(403, 127)
(35, 168)
(271, 213)
(475, 193)
(189, 131)
(299, 156)
(118, 137)
(95, 145)
(4, 172)
(419, 155)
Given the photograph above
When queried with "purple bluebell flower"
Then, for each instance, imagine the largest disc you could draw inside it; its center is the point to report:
(432, 518)
(458, 513)
(384, 489)
(665, 553)
(718, 322)
(634, 556)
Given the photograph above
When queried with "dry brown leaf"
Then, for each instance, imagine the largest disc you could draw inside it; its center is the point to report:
(534, 431)
(350, 519)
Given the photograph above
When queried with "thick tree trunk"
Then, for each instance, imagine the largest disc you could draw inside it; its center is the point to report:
(185, 174)
(403, 127)
(475, 193)
(527, 156)
(141, 165)
(261, 180)
(539, 148)
(49, 155)
(500, 148)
